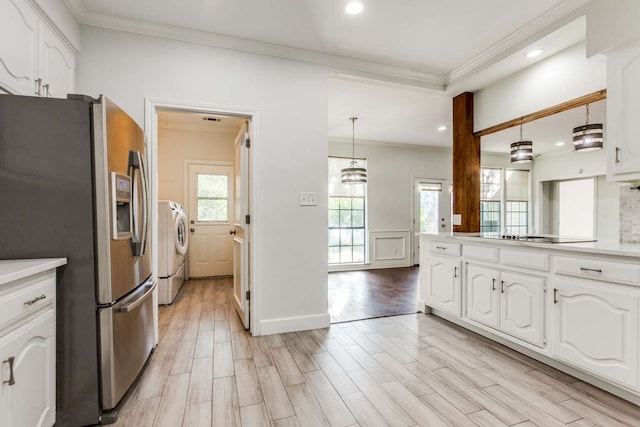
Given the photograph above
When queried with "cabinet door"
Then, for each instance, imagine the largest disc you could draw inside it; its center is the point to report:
(444, 284)
(596, 328)
(30, 401)
(482, 295)
(522, 311)
(18, 47)
(56, 65)
(623, 110)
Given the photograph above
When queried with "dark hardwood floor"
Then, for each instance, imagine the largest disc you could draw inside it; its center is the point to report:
(357, 295)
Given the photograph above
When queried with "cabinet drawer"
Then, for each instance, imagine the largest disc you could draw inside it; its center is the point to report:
(26, 295)
(525, 259)
(481, 253)
(444, 248)
(595, 269)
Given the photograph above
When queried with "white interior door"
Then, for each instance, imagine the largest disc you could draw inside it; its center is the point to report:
(210, 220)
(431, 210)
(241, 228)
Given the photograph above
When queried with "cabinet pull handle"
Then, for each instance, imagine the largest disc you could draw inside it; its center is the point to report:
(38, 86)
(11, 380)
(35, 300)
(617, 154)
(441, 247)
(46, 90)
(597, 270)
(494, 284)
(502, 286)
(555, 296)
(455, 272)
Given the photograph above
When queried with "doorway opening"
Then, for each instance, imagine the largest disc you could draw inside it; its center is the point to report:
(199, 157)
(431, 210)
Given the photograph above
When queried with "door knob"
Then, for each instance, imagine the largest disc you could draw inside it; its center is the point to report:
(232, 232)
(192, 229)
(192, 222)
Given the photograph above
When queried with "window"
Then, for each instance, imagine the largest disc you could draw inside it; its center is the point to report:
(347, 216)
(517, 204)
(213, 198)
(513, 210)
(490, 198)
(429, 197)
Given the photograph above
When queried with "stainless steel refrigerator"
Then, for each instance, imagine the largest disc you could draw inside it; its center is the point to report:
(73, 184)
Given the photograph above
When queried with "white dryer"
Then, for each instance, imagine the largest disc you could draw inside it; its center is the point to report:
(172, 246)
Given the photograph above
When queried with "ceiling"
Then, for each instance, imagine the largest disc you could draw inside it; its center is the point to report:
(395, 66)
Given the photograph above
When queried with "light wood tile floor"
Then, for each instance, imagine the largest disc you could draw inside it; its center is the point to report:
(400, 371)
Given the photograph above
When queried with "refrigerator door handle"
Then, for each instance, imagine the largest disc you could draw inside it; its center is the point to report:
(136, 299)
(138, 242)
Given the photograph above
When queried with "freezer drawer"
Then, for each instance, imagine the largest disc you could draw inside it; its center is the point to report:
(126, 340)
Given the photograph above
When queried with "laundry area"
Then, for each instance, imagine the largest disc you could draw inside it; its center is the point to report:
(196, 197)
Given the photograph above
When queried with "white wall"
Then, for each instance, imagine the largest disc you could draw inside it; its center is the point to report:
(290, 150)
(570, 165)
(390, 172)
(175, 146)
(611, 24)
(559, 78)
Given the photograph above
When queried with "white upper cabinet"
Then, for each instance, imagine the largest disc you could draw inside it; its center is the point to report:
(18, 47)
(34, 60)
(623, 110)
(56, 65)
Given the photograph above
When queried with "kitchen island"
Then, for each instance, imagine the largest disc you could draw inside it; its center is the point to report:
(574, 306)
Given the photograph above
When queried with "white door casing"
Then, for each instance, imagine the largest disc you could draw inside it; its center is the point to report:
(210, 243)
(241, 227)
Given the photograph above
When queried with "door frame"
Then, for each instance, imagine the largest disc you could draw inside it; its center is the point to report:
(151, 107)
(188, 162)
(415, 235)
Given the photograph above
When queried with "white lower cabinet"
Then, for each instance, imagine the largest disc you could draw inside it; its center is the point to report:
(510, 302)
(482, 295)
(28, 373)
(595, 327)
(443, 285)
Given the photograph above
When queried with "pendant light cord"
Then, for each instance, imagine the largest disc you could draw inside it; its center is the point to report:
(587, 115)
(353, 139)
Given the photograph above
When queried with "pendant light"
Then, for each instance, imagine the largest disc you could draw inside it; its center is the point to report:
(587, 137)
(354, 174)
(521, 151)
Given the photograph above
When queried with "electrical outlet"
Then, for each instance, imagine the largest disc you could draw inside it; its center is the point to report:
(309, 199)
(457, 219)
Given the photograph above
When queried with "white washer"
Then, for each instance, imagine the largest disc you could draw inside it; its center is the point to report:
(172, 245)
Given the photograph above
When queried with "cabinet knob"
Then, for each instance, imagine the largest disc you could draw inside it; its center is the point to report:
(11, 380)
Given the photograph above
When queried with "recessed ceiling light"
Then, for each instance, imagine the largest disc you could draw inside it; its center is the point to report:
(560, 143)
(354, 8)
(442, 128)
(534, 53)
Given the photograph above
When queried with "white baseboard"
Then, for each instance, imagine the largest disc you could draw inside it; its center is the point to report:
(293, 324)
(422, 306)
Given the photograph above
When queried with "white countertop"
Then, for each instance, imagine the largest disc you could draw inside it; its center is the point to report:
(17, 269)
(603, 247)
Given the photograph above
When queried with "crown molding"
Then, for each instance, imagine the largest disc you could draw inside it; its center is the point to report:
(337, 63)
(557, 16)
(554, 18)
(391, 144)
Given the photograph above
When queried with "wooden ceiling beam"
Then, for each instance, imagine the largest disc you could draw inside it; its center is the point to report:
(568, 105)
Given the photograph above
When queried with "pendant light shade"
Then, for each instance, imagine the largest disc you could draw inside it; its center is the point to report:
(588, 137)
(521, 151)
(354, 174)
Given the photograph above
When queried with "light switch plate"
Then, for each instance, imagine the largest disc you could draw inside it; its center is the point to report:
(308, 199)
(457, 219)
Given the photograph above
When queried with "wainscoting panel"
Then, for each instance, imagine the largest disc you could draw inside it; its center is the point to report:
(390, 248)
